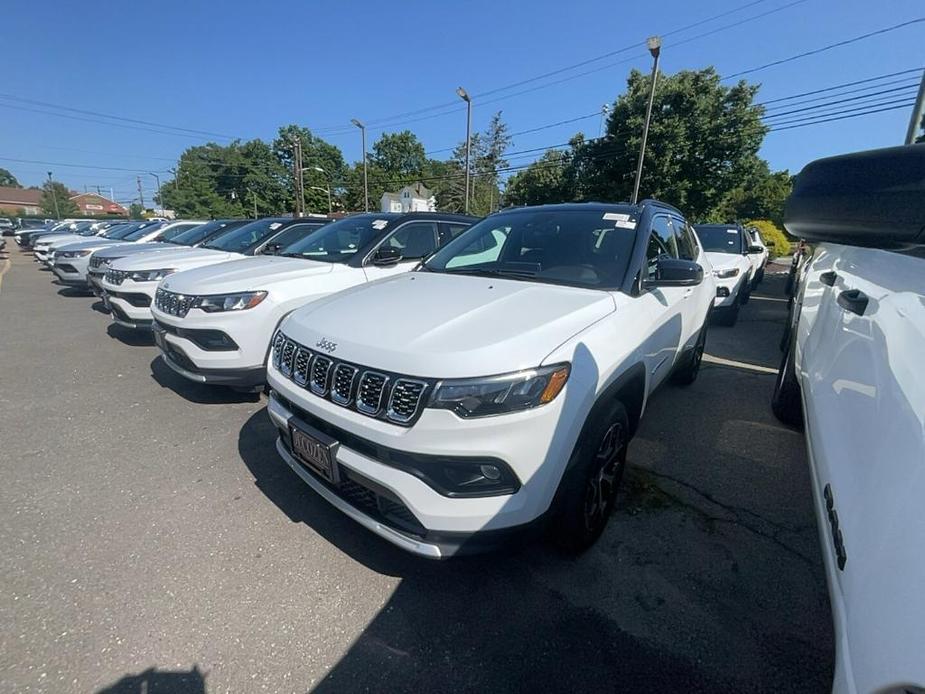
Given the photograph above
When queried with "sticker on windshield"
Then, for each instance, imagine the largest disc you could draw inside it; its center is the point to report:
(380, 224)
(732, 231)
(616, 217)
(275, 225)
(624, 225)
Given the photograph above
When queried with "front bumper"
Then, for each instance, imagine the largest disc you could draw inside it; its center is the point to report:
(125, 302)
(375, 505)
(535, 445)
(177, 358)
(727, 291)
(68, 272)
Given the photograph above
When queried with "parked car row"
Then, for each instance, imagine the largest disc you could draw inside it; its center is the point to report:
(449, 382)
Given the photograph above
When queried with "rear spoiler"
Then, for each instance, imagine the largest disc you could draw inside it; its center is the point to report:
(874, 198)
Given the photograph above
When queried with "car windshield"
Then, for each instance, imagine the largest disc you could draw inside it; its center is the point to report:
(120, 231)
(579, 248)
(174, 232)
(143, 230)
(242, 238)
(85, 229)
(337, 242)
(190, 237)
(719, 238)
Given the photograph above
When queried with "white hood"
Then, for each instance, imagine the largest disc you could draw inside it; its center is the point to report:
(724, 261)
(49, 239)
(246, 274)
(446, 326)
(92, 244)
(178, 260)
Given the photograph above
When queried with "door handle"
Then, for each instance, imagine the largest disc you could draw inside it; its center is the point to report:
(828, 278)
(853, 300)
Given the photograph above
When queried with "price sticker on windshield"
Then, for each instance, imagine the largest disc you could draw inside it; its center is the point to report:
(275, 225)
(380, 224)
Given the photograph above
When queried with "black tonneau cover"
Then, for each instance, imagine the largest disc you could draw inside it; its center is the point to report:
(874, 198)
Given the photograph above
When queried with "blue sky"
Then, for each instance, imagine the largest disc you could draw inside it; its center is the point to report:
(242, 69)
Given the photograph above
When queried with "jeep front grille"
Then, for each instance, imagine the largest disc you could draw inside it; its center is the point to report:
(392, 397)
(172, 303)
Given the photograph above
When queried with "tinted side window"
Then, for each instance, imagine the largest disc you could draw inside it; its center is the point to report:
(654, 251)
(450, 230)
(661, 229)
(687, 248)
(414, 240)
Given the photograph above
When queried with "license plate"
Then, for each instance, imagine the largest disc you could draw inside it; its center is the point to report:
(159, 339)
(316, 451)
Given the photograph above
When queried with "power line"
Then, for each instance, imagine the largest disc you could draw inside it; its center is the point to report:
(849, 99)
(856, 115)
(823, 49)
(838, 86)
(904, 101)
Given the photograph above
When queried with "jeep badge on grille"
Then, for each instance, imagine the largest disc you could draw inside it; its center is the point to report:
(326, 345)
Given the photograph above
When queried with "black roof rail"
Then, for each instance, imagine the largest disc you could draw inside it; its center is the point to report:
(659, 203)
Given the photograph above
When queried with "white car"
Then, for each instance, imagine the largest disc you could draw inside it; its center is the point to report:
(759, 259)
(130, 282)
(75, 232)
(100, 260)
(729, 249)
(71, 264)
(214, 324)
(852, 373)
(494, 390)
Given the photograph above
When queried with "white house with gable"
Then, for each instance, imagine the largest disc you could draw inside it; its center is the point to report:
(413, 198)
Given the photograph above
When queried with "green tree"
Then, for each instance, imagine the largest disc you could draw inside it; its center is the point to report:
(136, 211)
(316, 154)
(486, 160)
(52, 192)
(544, 181)
(399, 154)
(703, 142)
(8, 180)
(761, 195)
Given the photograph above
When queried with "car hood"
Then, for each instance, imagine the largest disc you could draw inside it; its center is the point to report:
(86, 243)
(178, 260)
(724, 261)
(445, 326)
(247, 274)
(52, 238)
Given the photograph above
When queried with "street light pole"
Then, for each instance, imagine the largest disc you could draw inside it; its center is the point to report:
(918, 112)
(328, 184)
(54, 196)
(654, 43)
(157, 180)
(365, 178)
(464, 95)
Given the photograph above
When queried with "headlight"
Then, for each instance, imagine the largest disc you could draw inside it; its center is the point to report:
(230, 302)
(726, 274)
(150, 275)
(72, 254)
(481, 397)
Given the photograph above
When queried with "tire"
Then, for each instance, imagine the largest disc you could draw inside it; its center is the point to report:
(786, 402)
(745, 293)
(588, 490)
(686, 373)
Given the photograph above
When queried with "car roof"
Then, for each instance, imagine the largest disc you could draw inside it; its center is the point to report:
(625, 207)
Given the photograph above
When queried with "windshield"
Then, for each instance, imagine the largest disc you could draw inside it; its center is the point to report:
(579, 248)
(190, 237)
(143, 230)
(240, 239)
(175, 232)
(719, 238)
(120, 231)
(85, 229)
(337, 242)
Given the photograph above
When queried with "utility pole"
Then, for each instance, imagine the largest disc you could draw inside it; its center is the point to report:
(464, 95)
(141, 195)
(159, 198)
(98, 191)
(918, 112)
(54, 196)
(365, 178)
(297, 176)
(605, 109)
(654, 44)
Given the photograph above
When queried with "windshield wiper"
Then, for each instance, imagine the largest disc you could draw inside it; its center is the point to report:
(490, 272)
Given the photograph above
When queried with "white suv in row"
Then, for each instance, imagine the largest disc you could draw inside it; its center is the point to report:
(730, 250)
(852, 375)
(214, 324)
(497, 387)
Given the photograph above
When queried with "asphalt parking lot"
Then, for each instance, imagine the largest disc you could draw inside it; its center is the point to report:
(153, 541)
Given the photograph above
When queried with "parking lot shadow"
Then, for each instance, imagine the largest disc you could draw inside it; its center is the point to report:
(196, 392)
(154, 681)
(129, 336)
(68, 291)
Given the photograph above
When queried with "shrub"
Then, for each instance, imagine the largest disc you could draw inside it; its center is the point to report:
(777, 242)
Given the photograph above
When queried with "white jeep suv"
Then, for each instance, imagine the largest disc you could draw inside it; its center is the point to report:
(214, 324)
(130, 282)
(497, 387)
(852, 376)
(729, 249)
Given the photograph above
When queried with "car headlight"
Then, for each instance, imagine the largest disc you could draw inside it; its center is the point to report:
(71, 254)
(230, 302)
(482, 397)
(150, 275)
(726, 274)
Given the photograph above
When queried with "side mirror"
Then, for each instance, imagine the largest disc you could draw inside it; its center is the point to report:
(386, 256)
(270, 249)
(754, 250)
(674, 272)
